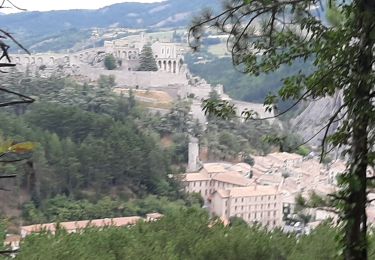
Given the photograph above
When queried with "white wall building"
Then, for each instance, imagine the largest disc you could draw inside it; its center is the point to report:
(254, 204)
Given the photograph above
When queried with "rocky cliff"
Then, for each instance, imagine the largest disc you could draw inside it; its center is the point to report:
(313, 118)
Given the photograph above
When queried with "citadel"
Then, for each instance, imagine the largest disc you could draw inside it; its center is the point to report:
(173, 76)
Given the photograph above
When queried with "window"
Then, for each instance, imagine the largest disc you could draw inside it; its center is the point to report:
(242, 200)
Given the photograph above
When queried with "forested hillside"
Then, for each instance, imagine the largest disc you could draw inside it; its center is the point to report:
(102, 155)
(237, 84)
(33, 27)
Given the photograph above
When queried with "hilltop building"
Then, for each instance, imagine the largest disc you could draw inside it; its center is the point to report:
(169, 56)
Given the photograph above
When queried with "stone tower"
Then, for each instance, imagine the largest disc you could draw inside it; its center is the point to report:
(193, 160)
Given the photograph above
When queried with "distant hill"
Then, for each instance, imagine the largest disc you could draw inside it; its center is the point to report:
(169, 13)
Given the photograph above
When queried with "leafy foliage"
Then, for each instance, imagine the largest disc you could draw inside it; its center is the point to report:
(183, 234)
(265, 35)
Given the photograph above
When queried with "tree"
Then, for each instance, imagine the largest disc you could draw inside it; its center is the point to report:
(110, 62)
(147, 60)
(264, 35)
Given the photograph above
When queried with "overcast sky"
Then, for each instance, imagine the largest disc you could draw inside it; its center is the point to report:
(46, 5)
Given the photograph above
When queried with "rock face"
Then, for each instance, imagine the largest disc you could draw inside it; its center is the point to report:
(314, 117)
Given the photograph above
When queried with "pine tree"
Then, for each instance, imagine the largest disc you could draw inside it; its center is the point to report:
(147, 60)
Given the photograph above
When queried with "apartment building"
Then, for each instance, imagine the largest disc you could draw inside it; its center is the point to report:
(214, 176)
(254, 204)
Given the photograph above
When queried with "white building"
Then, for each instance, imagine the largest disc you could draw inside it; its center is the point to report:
(168, 56)
(254, 204)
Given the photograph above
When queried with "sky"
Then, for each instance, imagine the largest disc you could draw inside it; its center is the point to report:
(46, 5)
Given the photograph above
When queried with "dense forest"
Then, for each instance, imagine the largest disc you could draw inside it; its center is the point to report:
(102, 155)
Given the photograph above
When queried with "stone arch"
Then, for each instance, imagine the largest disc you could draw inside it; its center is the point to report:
(169, 66)
(174, 69)
(39, 61)
(66, 59)
(33, 60)
(165, 65)
(159, 64)
(124, 54)
(180, 63)
(52, 60)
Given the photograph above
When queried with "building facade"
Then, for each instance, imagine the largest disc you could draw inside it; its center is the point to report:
(256, 204)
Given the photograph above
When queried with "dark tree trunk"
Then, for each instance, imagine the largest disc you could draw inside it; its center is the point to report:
(359, 108)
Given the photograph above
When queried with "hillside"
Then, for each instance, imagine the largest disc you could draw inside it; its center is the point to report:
(171, 13)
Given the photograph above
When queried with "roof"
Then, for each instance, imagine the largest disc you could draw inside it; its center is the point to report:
(270, 178)
(263, 163)
(154, 215)
(288, 198)
(285, 156)
(76, 225)
(12, 238)
(216, 167)
(39, 227)
(324, 189)
(199, 176)
(241, 167)
(254, 190)
(223, 193)
(232, 178)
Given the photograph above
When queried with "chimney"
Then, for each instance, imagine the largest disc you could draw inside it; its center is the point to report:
(193, 155)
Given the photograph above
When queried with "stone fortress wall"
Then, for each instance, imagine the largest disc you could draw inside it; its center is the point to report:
(172, 77)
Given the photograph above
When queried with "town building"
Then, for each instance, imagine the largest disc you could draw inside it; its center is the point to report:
(265, 192)
(256, 204)
(169, 56)
(77, 226)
